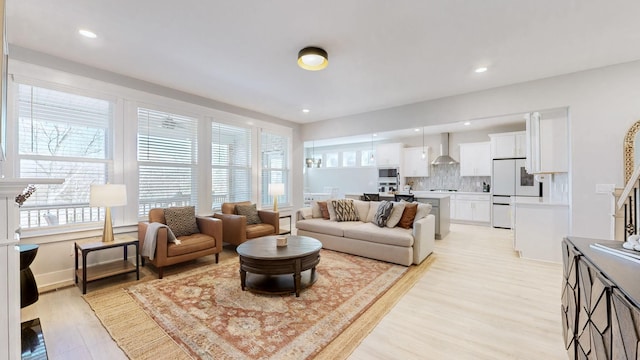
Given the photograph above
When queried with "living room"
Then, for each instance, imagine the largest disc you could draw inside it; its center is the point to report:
(591, 72)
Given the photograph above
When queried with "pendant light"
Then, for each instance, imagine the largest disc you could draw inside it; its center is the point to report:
(424, 153)
(372, 158)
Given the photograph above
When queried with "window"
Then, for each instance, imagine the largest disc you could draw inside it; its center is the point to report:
(167, 160)
(367, 158)
(348, 159)
(62, 135)
(331, 160)
(230, 164)
(275, 165)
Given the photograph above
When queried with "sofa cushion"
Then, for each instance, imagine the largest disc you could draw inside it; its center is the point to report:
(324, 210)
(362, 207)
(181, 220)
(257, 230)
(370, 232)
(251, 212)
(396, 214)
(373, 207)
(326, 227)
(190, 243)
(409, 213)
(383, 213)
(345, 210)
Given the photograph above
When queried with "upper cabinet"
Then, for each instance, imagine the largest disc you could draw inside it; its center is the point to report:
(389, 154)
(547, 142)
(508, 145)
(475, 159)
(414, 164)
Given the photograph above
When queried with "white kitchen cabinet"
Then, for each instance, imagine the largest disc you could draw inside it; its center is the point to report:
(472, 208)
(508, 145)
(414, 164)
(475, 159)
(389, 154)
(547, 142)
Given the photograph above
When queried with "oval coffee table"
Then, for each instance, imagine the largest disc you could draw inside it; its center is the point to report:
(270, 267)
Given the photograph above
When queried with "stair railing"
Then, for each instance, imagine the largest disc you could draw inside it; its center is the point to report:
(629, 201)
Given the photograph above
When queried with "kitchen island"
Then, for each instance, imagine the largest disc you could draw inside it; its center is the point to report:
(440, 207)
(540, 225)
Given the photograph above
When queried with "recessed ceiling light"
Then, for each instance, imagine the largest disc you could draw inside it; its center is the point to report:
(481, 69)
(416, 130)
(375, 134)
(87, 33)
(305, 110)
(467, 123)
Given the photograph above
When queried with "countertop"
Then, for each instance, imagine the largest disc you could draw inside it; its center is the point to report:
(528, 200)
(417, 194)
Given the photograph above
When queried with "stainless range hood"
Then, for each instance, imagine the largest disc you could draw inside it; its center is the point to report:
(444, 157)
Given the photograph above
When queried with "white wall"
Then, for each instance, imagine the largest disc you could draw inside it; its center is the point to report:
(603, 103)
(347, 180)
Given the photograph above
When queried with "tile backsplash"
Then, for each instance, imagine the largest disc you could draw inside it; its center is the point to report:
(448, 177)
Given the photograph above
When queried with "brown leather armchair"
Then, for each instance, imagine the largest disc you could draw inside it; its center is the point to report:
(207, 242)
(236, 231)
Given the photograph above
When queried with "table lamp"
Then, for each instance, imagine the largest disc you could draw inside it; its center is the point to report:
(107, 196)
(276, 190)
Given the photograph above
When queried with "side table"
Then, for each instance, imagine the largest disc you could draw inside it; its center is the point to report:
(289, 231)
(102, 271)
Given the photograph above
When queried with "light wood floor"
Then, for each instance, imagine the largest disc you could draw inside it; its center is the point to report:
(478, 301)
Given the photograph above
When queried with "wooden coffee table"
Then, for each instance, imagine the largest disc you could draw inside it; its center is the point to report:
(270, 267)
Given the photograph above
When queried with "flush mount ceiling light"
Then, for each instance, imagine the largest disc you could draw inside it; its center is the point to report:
(305, 110)
(313, 58)
(481, 69)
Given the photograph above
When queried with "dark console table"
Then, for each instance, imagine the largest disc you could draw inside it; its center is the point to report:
(600, 302)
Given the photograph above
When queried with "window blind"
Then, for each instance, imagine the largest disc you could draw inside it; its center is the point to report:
(230, 164)
(62, 135)
(167, 160)
(274, 149)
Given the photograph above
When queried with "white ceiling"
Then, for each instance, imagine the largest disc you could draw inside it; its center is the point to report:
(381, 53)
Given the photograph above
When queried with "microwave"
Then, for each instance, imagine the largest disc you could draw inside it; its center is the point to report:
(388, 172)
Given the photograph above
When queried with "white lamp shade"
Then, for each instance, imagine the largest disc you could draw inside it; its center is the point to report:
(108, 195)
(276, 189)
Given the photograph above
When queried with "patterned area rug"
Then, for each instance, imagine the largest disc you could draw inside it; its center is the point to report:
(203, 313)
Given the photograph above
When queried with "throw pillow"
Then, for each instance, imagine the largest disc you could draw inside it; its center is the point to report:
(315, 209)
(306, 213)
(250, 212)
(373, 208)
(332, 211)
(345, 210)
(362, 208)
(409, 213)
(383, 213)
(323, 209)
(181, 220)
(423, 211)
(396, 214)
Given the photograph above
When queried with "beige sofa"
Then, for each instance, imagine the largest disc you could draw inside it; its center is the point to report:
(364, 238)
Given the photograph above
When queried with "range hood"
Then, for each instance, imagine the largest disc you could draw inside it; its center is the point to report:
(444, 157)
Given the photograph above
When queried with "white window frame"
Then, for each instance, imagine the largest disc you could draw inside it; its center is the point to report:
(58, 219)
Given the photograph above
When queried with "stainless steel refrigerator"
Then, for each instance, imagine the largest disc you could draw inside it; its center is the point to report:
(509, 179)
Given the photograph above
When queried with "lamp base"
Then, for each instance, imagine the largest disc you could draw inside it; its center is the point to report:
(107, 232)
(275, 204)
